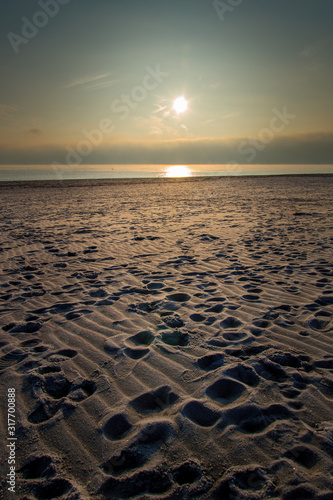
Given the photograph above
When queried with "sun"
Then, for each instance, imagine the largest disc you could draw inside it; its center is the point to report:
(180, 105)
(177, 171)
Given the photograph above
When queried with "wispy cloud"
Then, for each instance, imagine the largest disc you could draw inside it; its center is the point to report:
(159, 108)
(214, 86)
(100, 85)
(34, 131)
(211, 120)
(314, 49)
(313, 55)
(6, 111)
(155, 126)
(234, 114)
(86, 79)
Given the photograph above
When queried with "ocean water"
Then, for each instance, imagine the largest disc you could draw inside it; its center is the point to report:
(75, 172)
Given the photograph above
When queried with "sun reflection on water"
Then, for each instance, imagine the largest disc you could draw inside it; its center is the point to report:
(177, 171)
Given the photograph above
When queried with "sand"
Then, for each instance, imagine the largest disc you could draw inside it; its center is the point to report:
(168, 339)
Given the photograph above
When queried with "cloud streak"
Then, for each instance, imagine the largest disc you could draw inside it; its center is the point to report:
(6, 111)
(307, 149)
(85, 80)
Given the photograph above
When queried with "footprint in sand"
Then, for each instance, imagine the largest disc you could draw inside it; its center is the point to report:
(291, 360)
(117, 427)
(270, 371)
(326, 364)
(44, 410)
(77, 314)
(136, 352)
(251, 418)
(28, 327)
(58, 388)
(57, 385)
(247, 479)
(30, 342)
(57, 486)
(303, 455)
(325, 300)
(150, 482)
(230, 322)
(257, 332)
(28, 366)
(179, 297)
(198, 318)
(111, 348)
(304, 493)
(143, 447)
(325, 386)
(49, 369)
(211, 361)
(261, 323)
(38, 467)
(215, 309)
(251, 297)
(155, 401)
(300, 381)
(216, 299)
(187, 473)
(145, 337)
(175, 338)
(290, 393)
(235, 336)
(11, 358)
(319, 325)
(225, 390)
(252, 288)
(323, 314)
(173, 321)
(155, 285)
(243, 373)
(61, 355)
(200, 414)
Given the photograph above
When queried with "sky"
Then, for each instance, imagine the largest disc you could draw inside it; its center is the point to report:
(95, 82)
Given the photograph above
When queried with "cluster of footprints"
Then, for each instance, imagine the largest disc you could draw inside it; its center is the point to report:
(128, 475)
(53, 391)
(55, 395)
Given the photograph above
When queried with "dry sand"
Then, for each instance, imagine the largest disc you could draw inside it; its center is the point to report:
(169, 339)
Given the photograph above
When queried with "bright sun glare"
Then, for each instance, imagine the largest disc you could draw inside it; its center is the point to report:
(178, 171)
(180, 105)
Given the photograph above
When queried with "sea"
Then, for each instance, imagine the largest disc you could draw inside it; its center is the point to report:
(76, 172)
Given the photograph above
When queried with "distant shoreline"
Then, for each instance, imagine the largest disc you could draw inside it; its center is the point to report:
(47, 183)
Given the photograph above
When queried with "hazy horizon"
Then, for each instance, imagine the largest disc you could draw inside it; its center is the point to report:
(10, 173)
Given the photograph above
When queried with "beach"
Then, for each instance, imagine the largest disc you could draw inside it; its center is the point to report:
(167, 338)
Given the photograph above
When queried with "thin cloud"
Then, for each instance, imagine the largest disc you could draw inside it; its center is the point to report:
(6, 111)
(155, 126)
(85, 80)
(313, 55)
(211, 120)
(313, 50)
(34, 131)
(234, 114)
(100, 85)
(299, 149)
